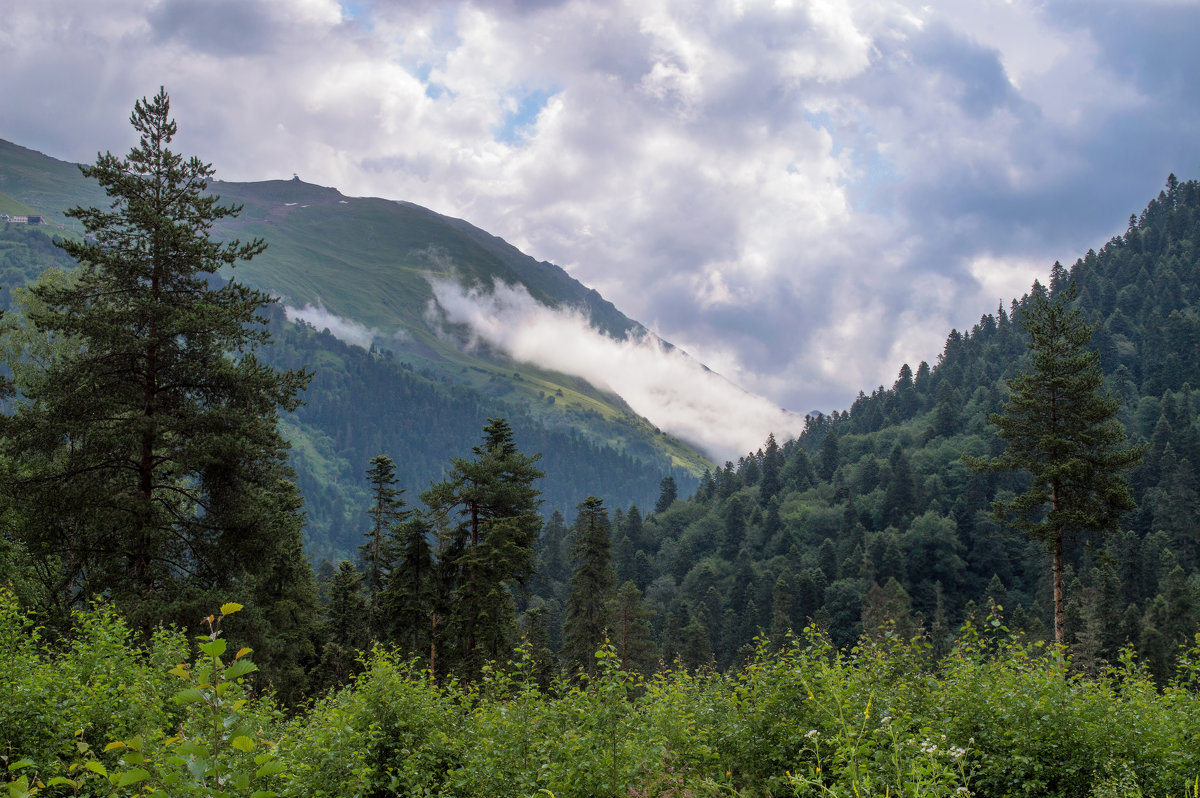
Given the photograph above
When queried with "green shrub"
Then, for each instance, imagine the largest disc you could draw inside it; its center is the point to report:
(95, 686)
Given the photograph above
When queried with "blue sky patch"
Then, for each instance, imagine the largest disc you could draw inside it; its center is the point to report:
(518, 124)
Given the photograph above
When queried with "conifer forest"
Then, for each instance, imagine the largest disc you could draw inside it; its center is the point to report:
(983, 579)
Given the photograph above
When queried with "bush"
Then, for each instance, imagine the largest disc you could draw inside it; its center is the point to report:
(997, 717)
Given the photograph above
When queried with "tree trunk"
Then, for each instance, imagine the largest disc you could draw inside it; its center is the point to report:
(1060, 627)
(433, 645)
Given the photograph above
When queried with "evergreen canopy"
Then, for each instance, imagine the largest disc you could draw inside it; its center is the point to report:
(1061, 427)
(148, 461)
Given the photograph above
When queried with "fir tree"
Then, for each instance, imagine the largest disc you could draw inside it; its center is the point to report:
(829, 458)
(631, 633)
(593, 587)
(1061, 427)
(407, 598)
(668, 491)
(346, 632)
(770, 482)
(151, 468)
(485, 516)
(379, 553)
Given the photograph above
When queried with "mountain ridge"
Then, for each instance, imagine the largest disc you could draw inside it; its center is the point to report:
(369, 260)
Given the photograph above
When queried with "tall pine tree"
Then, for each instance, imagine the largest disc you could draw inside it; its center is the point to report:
(1060, 426)
(485, 517)
(380, 552)
(150, 465)
(593, 587)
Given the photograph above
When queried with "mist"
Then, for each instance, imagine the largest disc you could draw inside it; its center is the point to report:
(674, 391)
(347, 330)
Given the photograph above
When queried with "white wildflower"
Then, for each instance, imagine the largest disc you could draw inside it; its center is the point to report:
(812, 733)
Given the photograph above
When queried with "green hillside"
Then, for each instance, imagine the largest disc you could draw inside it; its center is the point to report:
(43, 184)
(872, 517)
(369, 260)
(366, 260)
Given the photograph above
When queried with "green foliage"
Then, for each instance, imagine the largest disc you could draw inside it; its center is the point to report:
(593, 587)
(1061, 428)
(380, 553)
(96, 685)
(220, 750)
(997, 716)
(146, 462)
(485, 517)
(393, 730)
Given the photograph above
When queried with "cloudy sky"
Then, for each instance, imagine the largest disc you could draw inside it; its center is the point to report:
(804, 195)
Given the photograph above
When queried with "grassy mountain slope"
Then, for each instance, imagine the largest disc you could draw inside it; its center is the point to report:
(366, 260)
(369, 260)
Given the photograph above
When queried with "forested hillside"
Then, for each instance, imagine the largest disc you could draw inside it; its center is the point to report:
(362, 403)
(838, 614)
(872, 516)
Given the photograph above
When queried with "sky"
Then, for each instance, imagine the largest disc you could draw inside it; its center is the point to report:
(802, 195)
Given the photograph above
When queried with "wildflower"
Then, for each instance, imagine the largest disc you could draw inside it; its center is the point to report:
(957, 752)
(812, 733)
(885, 720)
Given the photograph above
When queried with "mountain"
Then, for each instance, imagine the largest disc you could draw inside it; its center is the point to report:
(417, 388)
(871, 516)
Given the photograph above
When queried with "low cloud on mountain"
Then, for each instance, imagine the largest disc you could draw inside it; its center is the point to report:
(348, 330)
(665, 385)
(804, 194)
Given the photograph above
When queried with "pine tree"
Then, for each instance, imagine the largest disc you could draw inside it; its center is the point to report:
(407, 597)
(151, 468)
(829, 458)
(346, 633)
(668, 491)
(772, 469)
(631, 633)
(379, 553)
(593, 587)
(1061, 427)
(485, 517)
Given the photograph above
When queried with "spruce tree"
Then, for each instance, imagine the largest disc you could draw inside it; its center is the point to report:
(379, 553)
(829, 458)
(631, 632)
(150, 467)
(593, 587)
(345, 632)
(770, 482)
(407, 597)
(485, 517)
(1061, 428)
(668, 491)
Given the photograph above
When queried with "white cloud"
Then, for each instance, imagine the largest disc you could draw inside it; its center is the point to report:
(343, 329)
(1007, 278)
(672, 390)
(805, 193)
